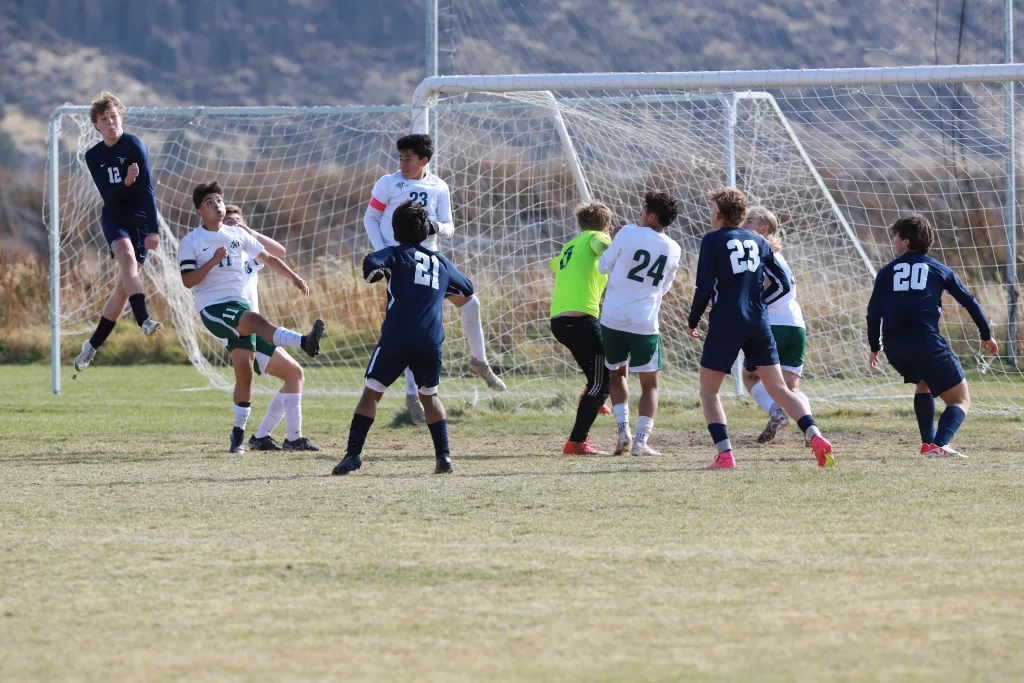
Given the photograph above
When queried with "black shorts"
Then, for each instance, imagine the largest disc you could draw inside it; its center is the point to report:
(131, 228)
(390, 359)
(930, 361)
(724, 342)
(582, 336)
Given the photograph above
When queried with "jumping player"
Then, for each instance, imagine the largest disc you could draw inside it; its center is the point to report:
(412, 333)
(731, 269)
(905, 307)
(272, 360)
(414, 181)
(120, 169)
(641, 262)
(787, 322)
(212, 259)
(575, 308)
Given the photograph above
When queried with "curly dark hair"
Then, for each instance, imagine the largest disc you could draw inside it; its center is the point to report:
(418, 143)
(918, 230)
(665, 207)
(731, 203)
(204, 189)
(410, 222)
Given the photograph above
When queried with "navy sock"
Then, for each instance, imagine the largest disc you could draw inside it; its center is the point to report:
(103, 330)
(950, 420)
(138, 304)
(924, 408)
(357, 434)
(805, 422)
(720, 435)
(439, 435)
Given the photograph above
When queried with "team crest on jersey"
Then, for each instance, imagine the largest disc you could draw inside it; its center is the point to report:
(401, 184)
(235, 244)
(121, 159)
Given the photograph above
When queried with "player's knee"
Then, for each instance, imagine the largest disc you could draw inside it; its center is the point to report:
(297, 374)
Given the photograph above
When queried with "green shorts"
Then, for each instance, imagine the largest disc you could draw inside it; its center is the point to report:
(642, 352)
(792, 345)
(222, 321)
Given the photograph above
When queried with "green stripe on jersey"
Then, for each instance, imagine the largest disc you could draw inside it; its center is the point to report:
(578, 284)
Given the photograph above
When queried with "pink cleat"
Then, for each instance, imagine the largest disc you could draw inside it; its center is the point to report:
(822, 451)
(583, 448)
(724, 461)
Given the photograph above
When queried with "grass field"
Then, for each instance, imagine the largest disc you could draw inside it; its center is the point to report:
(133, 547)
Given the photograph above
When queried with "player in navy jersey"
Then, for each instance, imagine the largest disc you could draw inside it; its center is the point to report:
(905, 307)
(120, 168)
(418, 281)
(731, 270)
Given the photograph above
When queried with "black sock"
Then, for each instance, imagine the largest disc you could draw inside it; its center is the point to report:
(950, 420)
(924, 409)
(103, 330)
(439, 435)
(357, 434)
(138, 304)
(720, 435)
(586, 413)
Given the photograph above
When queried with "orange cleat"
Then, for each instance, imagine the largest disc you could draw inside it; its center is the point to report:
(584, 448)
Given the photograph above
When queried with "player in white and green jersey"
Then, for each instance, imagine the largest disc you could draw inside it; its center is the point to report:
(213, 260)
(787, 322)
(575, 307)
(641, 263)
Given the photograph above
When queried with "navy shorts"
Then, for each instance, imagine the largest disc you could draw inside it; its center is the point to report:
(128, 227)
(724, 342)
(931, 362)
(390, 359)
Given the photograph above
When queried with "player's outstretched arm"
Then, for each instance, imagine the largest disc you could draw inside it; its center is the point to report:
(458, 284)
(192, 276)
(956, 289)
(270, 245)
(376, 265)
(281, 268)
(705, 287)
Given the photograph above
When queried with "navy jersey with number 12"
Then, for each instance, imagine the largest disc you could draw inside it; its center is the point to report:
(418, 281)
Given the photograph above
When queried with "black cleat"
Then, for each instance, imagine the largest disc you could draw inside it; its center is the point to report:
(444, 464)
(237, 440)
(263, 443)
(350, 463)
(300, 444)
(311, 342)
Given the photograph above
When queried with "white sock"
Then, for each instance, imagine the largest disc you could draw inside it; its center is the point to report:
(293, 415)
(285, 337)
(760, 394)
(473, 328)
(644, 427)
(242, 416)
(621, 411)
(410, 383)
(275, 412)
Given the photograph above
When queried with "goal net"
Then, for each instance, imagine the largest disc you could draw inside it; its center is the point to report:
(837, 163)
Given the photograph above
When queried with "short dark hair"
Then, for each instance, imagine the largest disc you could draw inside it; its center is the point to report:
(418, 143)
(205, 189)
(661, 205)
(731, 203)
(918, 230)
(410, 222)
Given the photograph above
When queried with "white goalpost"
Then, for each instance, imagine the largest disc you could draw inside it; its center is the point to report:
(837, 154)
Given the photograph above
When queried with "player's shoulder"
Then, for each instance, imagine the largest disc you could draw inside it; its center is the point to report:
(93, 151)
(436, 180)
(193, 237)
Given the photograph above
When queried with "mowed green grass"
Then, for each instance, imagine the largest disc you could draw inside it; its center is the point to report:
(133, 547)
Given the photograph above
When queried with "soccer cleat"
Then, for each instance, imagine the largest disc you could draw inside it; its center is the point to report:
(937, 451)
(483, 369)
(237, 440)
(580, 448)
(350, 463)
(622, 445)
(724, 461)
(776, 423)
(263, 443)
(300, 444)
(822, 451)
(643, 448)
(443, 464)
(416, 412)
(83, 359)
(925, 447)
(151, 327)
(311, 342)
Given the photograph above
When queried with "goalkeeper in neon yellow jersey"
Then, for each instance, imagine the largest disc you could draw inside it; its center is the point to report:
(575, 308)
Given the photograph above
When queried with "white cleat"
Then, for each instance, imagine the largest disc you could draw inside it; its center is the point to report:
(622, 446)
(83, 359)
(946, 451)
(151, 327)
(416, 412)
(642, 448)
(483, 369)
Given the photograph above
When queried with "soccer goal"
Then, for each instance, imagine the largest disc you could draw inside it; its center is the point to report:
(837, 154)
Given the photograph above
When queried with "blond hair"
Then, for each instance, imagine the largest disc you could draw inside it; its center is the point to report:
(773, 236)
(103, 104)
(234, 209)
(593, 216)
